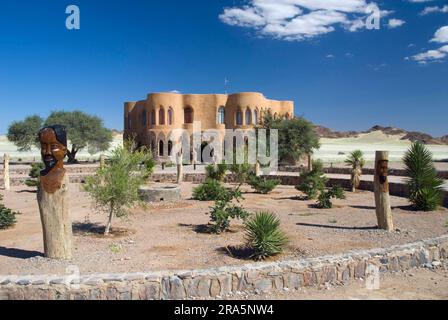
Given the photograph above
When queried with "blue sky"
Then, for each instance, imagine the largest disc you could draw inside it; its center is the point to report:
(339, 74)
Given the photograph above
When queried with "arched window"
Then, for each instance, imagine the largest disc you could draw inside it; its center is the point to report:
(221, 115)
(161, 116)
(153, 118)
(188, 115)
(161, 146)
(255, 119)
(144, 118)
(239, 117)
(248, 117)
(170, 147)
(170, 116)
(287, 116)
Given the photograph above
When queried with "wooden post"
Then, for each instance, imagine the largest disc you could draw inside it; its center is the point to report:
(257, 169)
(102, 161)
(180, 168)
(6, 172)
(52, 194)
(381, 188)
(195, 155)
(56, 223)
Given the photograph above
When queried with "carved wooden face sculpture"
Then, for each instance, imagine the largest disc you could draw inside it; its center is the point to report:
(382, 171)
(53, 151)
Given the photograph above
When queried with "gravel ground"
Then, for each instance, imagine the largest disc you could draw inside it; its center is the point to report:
(170, 236)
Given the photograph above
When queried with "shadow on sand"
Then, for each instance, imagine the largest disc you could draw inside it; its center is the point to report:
(19, 253)
(335, 227)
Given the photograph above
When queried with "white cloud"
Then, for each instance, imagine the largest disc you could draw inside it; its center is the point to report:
(434, 9)
(329, 56)
(395, 23)
(419, 1)
(441, 36)
(299, 19)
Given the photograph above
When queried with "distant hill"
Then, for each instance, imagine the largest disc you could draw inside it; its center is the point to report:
(402, 134)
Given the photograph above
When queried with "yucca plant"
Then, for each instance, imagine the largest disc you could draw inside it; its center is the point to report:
(356, 161)
(263, 235)
(425, 188)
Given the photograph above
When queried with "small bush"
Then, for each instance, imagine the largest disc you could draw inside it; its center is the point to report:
(325, 196)
(312, 181)
(224, 210)
(34, 174)
(263, 235)
(114, 188)
(210, 190)
(217, 172)
(263, 185)
(7, 216)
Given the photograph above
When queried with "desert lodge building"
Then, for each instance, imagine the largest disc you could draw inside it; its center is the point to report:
(150, 121)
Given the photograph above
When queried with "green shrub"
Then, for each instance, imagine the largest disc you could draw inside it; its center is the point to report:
(425, 188)
(217, 172)
(114, 188)
(263, 235)
(313, 180)
(7, 216)
(325, 196)
(262, 184)
(224, 210)
(210, 190)
(241, 172)
(34, 174)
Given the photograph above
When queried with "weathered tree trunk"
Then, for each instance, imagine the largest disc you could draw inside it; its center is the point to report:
(310, 162)
(6, 180)
(72, 155)
(381, 187)
(56, 222)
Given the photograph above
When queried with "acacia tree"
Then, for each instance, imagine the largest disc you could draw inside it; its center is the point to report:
(83, 130)
(296, 137)
(24, 133)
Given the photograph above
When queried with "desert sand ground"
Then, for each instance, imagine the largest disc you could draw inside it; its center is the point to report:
(171, 236)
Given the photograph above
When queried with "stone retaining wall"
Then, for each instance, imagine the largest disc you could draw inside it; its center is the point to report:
(366, 171)
(396, 189)
(227, 281)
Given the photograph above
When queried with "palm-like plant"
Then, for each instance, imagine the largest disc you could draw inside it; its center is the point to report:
(264, 236)
(356, 161)
(425, 188)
